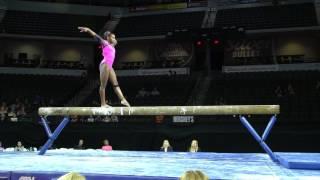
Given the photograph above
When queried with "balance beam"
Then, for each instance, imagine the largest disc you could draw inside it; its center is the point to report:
(240, 110)
(160, 110)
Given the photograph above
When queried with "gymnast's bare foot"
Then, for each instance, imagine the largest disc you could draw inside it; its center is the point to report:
(106, 106)
(125, 102)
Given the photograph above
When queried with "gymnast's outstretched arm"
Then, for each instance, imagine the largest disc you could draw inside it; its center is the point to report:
(92, 33)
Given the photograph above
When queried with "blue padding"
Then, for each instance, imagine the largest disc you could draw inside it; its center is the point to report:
(299, 160)
(55, 175)
(5, 175)
(268, 150)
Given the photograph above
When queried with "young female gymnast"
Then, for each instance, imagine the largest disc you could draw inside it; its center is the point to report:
(108, 42)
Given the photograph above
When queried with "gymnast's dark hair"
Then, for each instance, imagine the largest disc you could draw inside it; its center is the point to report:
(106, 34)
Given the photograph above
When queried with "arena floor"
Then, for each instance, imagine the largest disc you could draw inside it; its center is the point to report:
(97, 164)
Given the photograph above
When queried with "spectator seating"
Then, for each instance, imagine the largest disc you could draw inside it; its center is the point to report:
(161, 24)
(49, 24)
(34, 91)
(268, 17)
(261, 88)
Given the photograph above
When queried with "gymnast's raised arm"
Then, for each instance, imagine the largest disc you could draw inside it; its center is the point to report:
(92, 33)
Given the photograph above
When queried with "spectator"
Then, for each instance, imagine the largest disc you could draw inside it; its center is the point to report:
(19, 147)
(13, 107)
(17, 102)
(90, 119)
(194, 147)
(291, 91)
(106, 146)
(27, 106)
(1, 147)
(99, 118)
(114, 119)
(142, 93)
(12, 115)
(37, 100)
(220, 101)
(51, 102)
(159, 119)
(74, 118)
(155, 92)
(72, 176)
(83, 119)
(43, 102)
(3, 111)
(80, 145)
(21, 111)
(108, 119)
(105, 119)
(194, 175)
(278, 92)
(166, 147)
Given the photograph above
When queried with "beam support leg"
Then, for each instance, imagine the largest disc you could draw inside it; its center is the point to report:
(52, 136)
(256, 136)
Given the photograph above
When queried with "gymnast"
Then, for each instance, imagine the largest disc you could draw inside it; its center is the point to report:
(108, 42)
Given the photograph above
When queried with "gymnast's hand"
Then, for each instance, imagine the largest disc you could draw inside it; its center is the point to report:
(87, 30)
(84, 29)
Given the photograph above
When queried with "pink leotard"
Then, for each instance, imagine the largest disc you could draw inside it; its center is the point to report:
(108, 52)
(107, 148)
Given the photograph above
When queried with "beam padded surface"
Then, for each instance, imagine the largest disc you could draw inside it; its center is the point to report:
(160, 110)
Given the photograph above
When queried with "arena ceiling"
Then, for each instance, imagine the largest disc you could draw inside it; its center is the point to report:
(130, 3)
